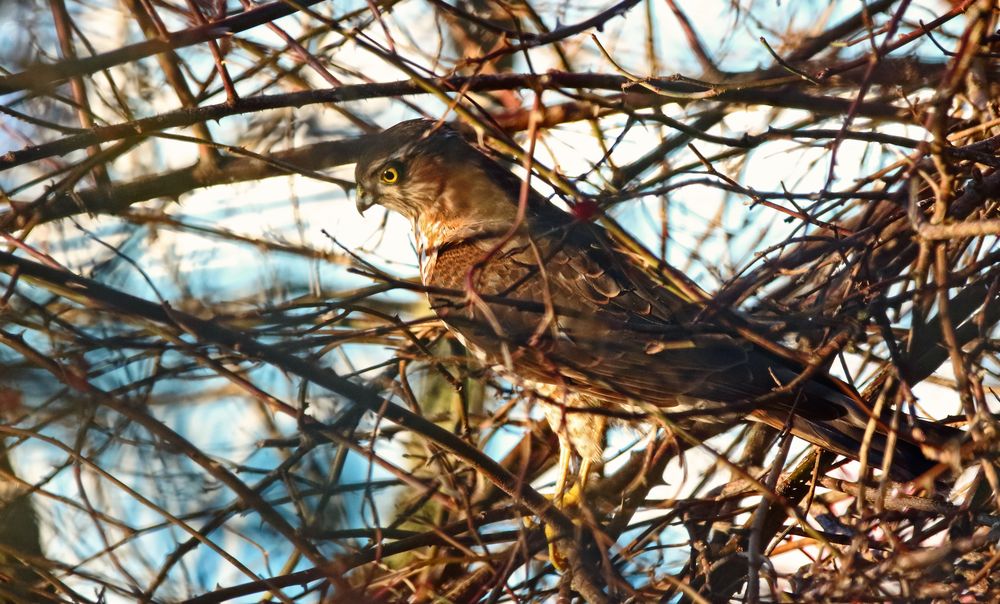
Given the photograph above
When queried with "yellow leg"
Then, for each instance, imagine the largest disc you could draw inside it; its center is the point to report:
(584, 475)
(566, 499)
(565, 457)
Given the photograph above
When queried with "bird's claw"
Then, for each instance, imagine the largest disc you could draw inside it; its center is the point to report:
(558, 560)
(568, 502)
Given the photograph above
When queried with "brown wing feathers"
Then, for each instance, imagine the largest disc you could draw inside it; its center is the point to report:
(620, 338)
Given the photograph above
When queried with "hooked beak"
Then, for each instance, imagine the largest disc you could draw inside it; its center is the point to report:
(364, 200)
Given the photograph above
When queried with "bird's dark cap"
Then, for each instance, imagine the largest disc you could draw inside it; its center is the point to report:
(391, 140)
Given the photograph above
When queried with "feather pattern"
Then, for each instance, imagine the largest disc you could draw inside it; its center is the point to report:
(558, 305)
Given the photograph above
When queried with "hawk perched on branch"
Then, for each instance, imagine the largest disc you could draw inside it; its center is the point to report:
(565, 310)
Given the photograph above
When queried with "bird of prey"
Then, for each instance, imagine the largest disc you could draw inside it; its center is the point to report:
(565, 310)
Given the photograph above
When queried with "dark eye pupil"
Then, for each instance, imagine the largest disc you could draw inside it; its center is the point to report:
(390, 175)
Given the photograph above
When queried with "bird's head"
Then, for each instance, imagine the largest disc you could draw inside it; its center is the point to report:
(428, 173)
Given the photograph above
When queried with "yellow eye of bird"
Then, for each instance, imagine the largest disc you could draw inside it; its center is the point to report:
(390, 175)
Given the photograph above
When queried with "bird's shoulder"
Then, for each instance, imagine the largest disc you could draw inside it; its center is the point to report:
(600, 271)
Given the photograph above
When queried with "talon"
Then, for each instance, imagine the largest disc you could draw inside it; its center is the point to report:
(568, 501)
(571, 498)
(556, 557)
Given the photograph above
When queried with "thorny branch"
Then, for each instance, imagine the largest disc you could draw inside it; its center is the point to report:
(242, 393)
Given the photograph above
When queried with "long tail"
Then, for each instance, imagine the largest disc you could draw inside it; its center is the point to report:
(843, 437)
(844, 431)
